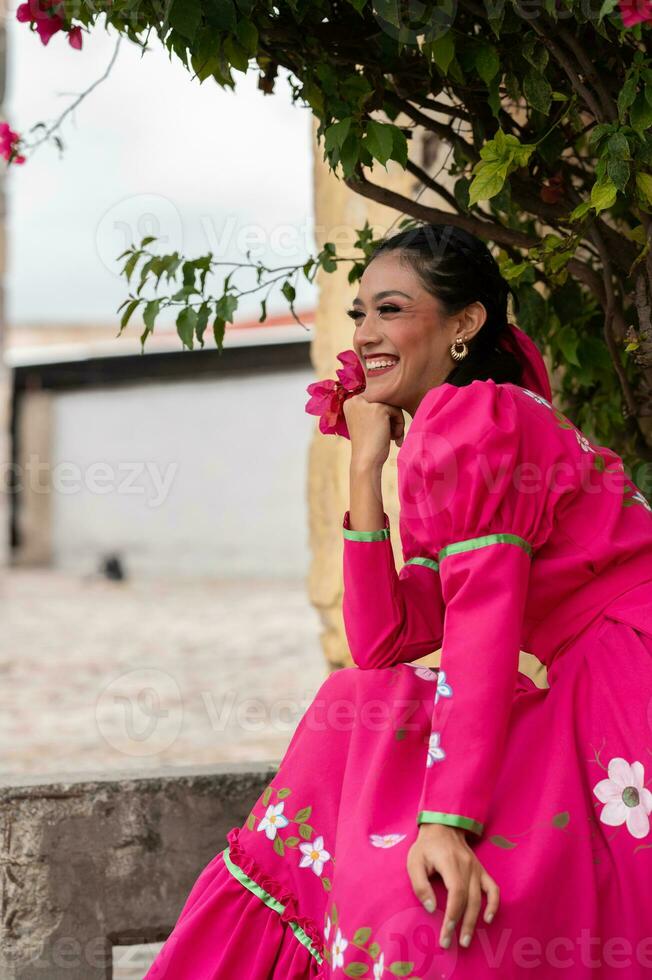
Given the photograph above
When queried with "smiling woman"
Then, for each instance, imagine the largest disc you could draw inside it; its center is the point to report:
(423, 822)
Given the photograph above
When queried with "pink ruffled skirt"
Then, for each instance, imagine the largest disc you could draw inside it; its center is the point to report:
(314, 884)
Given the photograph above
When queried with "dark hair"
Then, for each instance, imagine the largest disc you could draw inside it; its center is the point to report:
(458, 268)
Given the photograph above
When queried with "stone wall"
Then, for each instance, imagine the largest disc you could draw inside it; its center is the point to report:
(108, 860)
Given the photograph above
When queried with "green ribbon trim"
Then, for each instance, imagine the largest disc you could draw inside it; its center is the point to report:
(451, 819)
(428, 562)
(381, 535)
(472, 543)
(270, 901)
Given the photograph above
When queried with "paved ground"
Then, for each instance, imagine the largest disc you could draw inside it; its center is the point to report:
(103, 675)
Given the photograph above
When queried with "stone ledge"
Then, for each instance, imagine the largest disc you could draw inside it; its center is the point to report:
(94, 860)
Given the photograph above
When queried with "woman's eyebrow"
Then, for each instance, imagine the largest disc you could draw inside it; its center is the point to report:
(386, 292)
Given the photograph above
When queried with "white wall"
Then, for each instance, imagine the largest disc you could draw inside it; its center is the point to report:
(204, 477)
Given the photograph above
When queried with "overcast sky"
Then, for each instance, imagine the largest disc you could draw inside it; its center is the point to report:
(148, 152)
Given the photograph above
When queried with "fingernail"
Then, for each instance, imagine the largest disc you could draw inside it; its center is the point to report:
(465, 940)
(488, 917)
(450, 925)
(429, 905)
(445, 941)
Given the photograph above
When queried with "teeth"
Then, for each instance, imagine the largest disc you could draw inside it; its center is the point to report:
(379, 364)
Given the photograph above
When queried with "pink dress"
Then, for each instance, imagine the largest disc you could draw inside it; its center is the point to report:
(517, 534)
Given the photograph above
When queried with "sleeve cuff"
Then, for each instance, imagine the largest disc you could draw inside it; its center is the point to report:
(450, 819)
(382, 534)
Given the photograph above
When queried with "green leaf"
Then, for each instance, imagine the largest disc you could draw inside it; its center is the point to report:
(348, 159)
(221, 14)
(291, 841)
(488, 181)
(502, 842)
(618, 171)
(644, 185)
(487, 62)
(131, 306)
(303, 814)
(401, 969)
(267, 795)
(567, 341)
(336, 134)
(399, 148)
(186, 321)
(537, 90)
(185, 17)
(362, 936)
(202, 322)
(284, 793)
(535, 52)
(373, 950)
(236, 54)
(219, 326)
(326, 882)
(289, 291)
(251, 821)
(442, 51)
(580, 211)
(278, 846)
(627, 95)
(306, 831)
(149, 315)
(356, 969)
(380, 140)
(248, 36)
(130, 265)
(226, 307)
(603, 194)
(640, 114)
(617, 146)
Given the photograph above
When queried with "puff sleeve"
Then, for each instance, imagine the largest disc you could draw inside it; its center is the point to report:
(462, 493)
(389, 618)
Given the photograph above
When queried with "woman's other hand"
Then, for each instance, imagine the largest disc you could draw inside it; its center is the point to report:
(372, 426)
(443, 849)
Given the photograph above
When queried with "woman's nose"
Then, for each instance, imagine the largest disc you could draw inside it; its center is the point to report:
(367, 331)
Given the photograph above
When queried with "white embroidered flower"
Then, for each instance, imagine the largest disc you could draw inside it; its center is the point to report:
(626, 798)
(327, 927)
(273, 820)
(337, 951)
(537, 398)
(386, 840)
(583, 442)
(641, 499)
(435, 753)
(379, 967)
(444, 690)
(314, 855)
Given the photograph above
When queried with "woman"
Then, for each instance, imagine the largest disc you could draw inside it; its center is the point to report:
(460, 822)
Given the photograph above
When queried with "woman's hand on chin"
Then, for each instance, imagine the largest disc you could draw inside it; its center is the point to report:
(445, 850)
(372, 427)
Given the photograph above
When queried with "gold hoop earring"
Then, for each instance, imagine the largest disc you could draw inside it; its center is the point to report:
(456, 353)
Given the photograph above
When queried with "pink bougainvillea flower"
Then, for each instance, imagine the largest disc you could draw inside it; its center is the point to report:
(328, 396)
(75, 37)
(46, 15)
(9, 141)
(635, 12)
